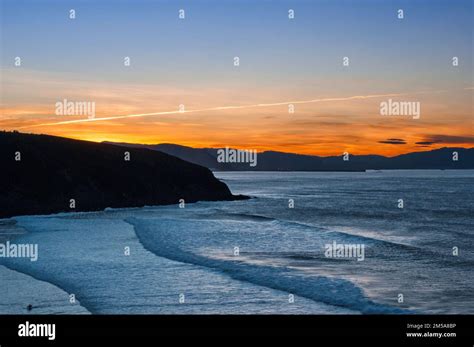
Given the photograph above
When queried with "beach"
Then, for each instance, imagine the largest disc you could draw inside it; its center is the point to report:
(18, 290)
(261, 255)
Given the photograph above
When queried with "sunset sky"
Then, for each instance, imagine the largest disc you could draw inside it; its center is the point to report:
(282, 61)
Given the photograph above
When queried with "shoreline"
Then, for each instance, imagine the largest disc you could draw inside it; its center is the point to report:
(4, 220)
(18, 290)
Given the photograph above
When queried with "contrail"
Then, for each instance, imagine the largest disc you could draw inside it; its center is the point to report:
(221, 108)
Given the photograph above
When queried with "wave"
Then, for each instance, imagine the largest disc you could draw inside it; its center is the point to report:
(85, 256)
(243, 216)
(164, 237)
(20, 289)
(386, 248)
(340, 235)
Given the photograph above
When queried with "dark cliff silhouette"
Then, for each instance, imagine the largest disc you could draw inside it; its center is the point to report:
(54, 170)
(278, 161)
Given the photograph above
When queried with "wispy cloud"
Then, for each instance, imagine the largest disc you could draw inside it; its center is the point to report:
(394, 141)
(224, 108)
(448, 139)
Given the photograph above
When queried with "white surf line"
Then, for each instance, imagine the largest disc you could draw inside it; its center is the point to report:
(221, 108)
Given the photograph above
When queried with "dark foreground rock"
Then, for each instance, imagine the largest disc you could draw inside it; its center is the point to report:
(54, 170)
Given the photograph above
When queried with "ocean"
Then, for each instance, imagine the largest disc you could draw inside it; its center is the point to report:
(266, 255)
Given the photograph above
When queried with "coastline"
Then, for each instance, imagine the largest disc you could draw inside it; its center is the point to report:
(9, 219)
(210, 230)
(19, 290)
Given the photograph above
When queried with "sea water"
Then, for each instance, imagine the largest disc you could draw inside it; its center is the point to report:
(267, 254)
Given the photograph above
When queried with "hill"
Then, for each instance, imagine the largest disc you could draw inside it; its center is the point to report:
(54, 170)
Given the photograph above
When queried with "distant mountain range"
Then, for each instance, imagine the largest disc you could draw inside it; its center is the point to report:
(40, 174)
(279, 161)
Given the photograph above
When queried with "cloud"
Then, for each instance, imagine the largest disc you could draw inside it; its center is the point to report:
(425, 143)
(450, 139)
(394, 141)
(213, 109)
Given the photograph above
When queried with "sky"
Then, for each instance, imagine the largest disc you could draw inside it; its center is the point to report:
(282, 61)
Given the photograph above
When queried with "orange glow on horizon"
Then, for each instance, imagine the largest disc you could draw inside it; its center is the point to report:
(332, 148)
(324, 127)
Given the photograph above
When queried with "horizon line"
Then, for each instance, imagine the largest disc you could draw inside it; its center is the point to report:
(221, 147)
